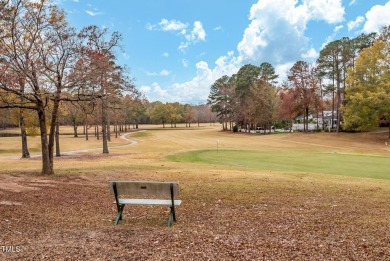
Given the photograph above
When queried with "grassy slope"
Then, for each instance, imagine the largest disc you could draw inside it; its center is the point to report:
(237, 210)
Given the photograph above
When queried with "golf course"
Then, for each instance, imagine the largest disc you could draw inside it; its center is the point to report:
(283, 196)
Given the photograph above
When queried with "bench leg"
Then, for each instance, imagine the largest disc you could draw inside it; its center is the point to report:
(119, 216)
(172, 217)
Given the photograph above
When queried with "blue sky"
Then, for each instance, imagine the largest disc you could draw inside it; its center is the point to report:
(177, 48)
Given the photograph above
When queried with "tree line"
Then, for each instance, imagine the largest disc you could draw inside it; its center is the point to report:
(51, 74)
(45, 62)
(350, 78)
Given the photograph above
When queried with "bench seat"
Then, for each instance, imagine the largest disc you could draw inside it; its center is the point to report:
(137, 201)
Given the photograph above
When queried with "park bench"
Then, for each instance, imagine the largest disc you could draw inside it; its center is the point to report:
(145, 193)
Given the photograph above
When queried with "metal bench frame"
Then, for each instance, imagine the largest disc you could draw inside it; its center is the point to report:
(145, 188)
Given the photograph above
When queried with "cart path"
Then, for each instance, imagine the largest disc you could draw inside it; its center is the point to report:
(73, 152)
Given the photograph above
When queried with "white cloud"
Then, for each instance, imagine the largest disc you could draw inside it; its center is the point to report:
(155, 92)
(172, 25)
(164, 72)
(93, 13)
(268, 19)
(125, 56)
(165, 54)
(331, 37)
(217, 28)
(167, 25)
(354, 24)
(183, 45)
(161, 73)
(337, 29)
(197, 89)
(145, 89)
(159, 92)
(310, 54)
(352, 2)
(197, 33)
(184, 62)
(282, 70)
(277, 27)
(377, 17)
(331, 11)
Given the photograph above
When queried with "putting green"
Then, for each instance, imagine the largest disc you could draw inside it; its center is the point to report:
(367, 166)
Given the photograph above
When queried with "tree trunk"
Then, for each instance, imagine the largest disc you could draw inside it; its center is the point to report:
(22, 123)
(47, 166)
(54, 119)
(23, 133)
(75, 135)
(58, 153)
(97, 132)
(338, 103)
(86, 128)
(108, 128)
(333, 103)
(104, 129)
(307, 119)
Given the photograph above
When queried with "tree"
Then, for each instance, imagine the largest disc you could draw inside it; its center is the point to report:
(38, 48)
(160, 113)
(304, 81)
(287, 106)
(175, 113)
(267, 73)
(333, 63)
(134, 109)
(263, 104)
(189, 115)
(246, 77)
(221, 98)
(330, 62)
(75, 115)
(97, 74)
(368, 86)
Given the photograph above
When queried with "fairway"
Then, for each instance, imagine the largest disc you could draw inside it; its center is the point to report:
(366, 166)
(320, 196)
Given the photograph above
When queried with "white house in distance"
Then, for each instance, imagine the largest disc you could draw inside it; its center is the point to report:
(316, 120)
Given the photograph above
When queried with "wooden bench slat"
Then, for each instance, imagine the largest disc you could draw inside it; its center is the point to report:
(145, 188)
(137, 201)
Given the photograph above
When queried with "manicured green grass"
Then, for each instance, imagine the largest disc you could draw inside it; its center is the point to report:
(367, 166)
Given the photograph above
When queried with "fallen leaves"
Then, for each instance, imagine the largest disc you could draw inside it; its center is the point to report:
(72, 218)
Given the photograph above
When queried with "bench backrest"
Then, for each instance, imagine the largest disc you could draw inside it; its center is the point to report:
(145, 188)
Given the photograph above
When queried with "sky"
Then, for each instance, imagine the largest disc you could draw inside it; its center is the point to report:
(176, 49)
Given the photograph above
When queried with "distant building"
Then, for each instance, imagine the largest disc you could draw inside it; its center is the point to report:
(316, 120)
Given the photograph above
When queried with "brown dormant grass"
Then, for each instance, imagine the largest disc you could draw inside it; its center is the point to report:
(227, 213)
